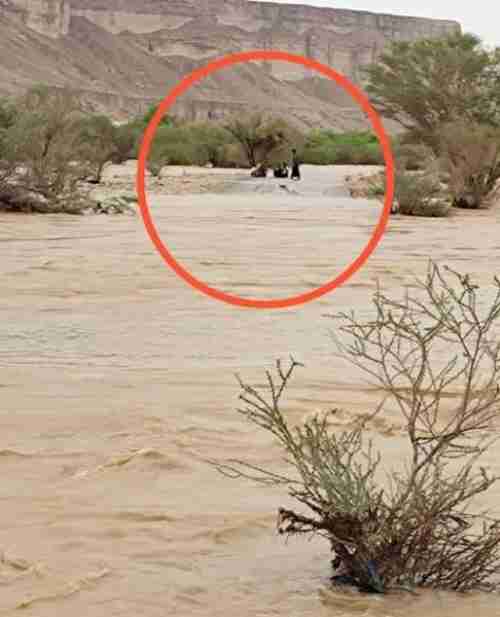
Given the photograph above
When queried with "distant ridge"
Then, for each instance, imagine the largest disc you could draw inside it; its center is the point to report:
(124, 54)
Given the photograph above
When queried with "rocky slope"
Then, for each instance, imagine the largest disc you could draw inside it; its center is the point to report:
(124, 54)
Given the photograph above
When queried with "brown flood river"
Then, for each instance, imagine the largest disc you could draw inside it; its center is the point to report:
(117, 380)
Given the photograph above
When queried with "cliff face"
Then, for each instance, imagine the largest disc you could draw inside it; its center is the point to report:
(48, 17)
(199, 29)
(180, 34)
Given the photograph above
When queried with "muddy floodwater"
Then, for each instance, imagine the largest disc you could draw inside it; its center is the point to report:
(118, 380)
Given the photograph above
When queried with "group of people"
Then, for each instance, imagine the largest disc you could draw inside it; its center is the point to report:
(280, 171)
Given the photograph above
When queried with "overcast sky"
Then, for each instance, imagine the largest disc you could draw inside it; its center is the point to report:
(481, 17)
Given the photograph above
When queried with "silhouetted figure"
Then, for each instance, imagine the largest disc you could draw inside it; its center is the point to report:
(295, 166)
(281, 171)
(260, 171)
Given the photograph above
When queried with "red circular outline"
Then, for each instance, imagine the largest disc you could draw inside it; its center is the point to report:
(239, 58)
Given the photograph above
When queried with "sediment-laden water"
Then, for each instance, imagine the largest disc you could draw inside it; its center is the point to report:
(117, 381)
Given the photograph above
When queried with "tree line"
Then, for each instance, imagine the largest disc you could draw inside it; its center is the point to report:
(444, 93)
(50, 147)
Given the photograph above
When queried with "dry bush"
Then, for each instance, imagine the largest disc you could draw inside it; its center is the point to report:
(420, 194)
(471, 159)
(415, 526)
(412, 156)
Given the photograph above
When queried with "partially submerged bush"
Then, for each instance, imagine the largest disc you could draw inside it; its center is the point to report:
(415, 194)
(415, 528)
(18, 199)
(371, 186)
(420, 194)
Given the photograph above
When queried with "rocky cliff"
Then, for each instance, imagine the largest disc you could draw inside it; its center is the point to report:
(123, 50)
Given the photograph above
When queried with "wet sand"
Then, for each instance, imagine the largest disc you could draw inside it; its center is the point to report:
(117, 380)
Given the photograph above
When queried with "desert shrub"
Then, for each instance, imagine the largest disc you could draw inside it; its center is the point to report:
(316, 154)
(413, 525)
(126, 142)
(470, 155)
(325, 147)
(194, 144)
(7, 118)
(145, 119)
(232, 156)
(96, 143)
(128, 136)
(445, 94)
(357, 148)
(259, 136)
(415, 194)
(349, 154)
(8, 114)
(174, 146)
(420, 194)
(44, 142)
(103, 142)
(412, 157)
(376, 185)
(210, 141)
(48, 148)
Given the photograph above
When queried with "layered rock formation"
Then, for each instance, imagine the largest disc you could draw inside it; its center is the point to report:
(105, 39)
(48, 17)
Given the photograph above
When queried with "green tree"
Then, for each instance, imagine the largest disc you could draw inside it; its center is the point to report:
(44, 140)
(425, 84)
(126, 140)
(146, 118)
(7, 113)
(453, 82)
(259, 136)
(102, 142)
(211, 140)
(326, 147)
(96, 143)
(7, 119)
(172, 146)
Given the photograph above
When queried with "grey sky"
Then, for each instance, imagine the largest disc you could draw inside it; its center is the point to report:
(481, 17)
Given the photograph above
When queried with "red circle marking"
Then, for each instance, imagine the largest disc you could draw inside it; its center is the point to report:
(239, 58)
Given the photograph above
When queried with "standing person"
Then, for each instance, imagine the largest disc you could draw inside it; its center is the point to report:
(295, 166)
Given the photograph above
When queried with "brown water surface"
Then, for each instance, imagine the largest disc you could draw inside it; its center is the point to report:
(117, 380)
